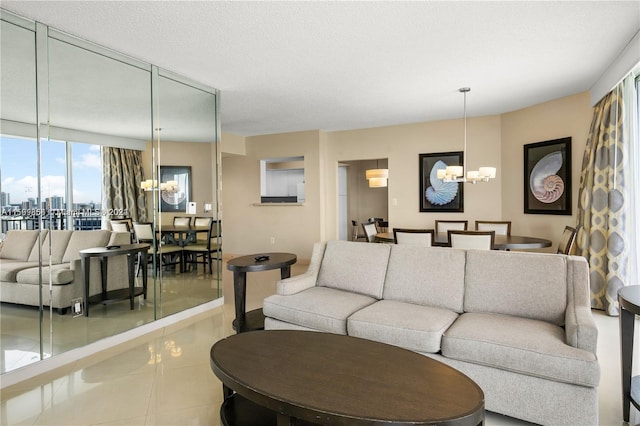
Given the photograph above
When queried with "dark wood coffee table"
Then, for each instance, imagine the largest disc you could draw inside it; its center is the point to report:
(629, 300)
(304, 377)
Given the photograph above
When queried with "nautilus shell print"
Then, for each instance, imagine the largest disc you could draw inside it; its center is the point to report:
(545, 184)
(440, 193)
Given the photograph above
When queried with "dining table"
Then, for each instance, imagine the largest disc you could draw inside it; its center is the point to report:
(502, 242)
(181, 235)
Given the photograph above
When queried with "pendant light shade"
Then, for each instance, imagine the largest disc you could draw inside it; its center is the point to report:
(377, 177)
(456, 173)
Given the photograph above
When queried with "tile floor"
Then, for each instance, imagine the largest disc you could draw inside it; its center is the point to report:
(166, 379)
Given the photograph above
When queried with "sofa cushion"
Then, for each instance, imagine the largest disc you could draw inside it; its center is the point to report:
(81, 240)
(320, 308)
(355, 267)
(415, 327)
(521, 345)
(59, 240)
(530, 285)
(60, 274)
(431, 276)
(18, 244)
(9, 269)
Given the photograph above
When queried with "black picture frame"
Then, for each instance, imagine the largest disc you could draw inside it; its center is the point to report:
(547, 177)
(175, 201)
(442, 197)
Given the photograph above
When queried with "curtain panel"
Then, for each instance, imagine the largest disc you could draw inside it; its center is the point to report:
(603, 203)
(122, 176)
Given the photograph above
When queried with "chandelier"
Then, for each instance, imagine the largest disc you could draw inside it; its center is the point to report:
(152, 185)
(456, 173)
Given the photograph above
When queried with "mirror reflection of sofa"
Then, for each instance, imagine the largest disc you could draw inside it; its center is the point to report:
(20, 274)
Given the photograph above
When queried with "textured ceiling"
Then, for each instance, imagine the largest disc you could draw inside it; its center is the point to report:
(290, 66)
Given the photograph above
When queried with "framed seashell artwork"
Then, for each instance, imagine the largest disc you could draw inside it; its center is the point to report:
(547, 177)
(436, 195)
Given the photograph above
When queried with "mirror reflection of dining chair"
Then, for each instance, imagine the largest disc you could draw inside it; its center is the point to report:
(123, 225)
(370, 231)
(501, 227)
(164, 254)
(478, 240)
(421, 237)
(182, 221)
(355, 231)
(203, 249)
(442, 226)
(566, 241)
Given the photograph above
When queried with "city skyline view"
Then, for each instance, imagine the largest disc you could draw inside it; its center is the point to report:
(18, 162)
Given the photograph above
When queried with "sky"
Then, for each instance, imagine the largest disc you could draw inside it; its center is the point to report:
(18, 166)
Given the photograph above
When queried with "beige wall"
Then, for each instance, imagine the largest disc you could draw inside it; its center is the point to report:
(491, 141)
(248, 228)
(564, 117)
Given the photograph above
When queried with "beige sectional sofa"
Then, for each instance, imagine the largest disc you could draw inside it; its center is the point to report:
(59, 252)
(519, 324)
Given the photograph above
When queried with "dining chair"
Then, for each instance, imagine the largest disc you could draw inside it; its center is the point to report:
(164, 254)
(442, 226)
(123, 225)
(566, 241)
(381, 224)
(501, 227)
(181, 221)
(355, 228)
(204, 248)
(422, 237)
(370, 231)
(479, 240)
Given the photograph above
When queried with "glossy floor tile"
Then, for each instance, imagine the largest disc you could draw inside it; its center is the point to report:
(167, 379)
(20, 330)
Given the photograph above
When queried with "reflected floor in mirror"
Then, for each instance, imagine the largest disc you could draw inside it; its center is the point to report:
(19, 329)
(167, 379)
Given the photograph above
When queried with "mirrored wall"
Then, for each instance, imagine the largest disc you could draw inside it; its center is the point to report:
(90, 137)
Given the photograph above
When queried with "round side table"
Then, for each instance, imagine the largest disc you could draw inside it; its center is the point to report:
(629, 300)
(254, 320)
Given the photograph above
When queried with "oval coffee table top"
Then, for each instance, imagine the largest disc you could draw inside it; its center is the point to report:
(327, 378)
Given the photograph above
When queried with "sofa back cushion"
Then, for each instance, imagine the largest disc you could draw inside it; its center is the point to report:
(355, 267)
(18, 244)
(59, 240)
(430, 276)
(529, 285)
(85, 239)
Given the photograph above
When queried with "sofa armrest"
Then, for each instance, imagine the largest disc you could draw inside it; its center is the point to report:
(307, 280)
(580, 327)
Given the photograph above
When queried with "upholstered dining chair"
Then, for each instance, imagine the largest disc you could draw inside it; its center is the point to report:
(203, 249)
(442, 226)
(181, 221)
(123, 225)
(370, 231)
(501, 227)
(421, 237)
(566, 241)
(479, 240)
(164, 254)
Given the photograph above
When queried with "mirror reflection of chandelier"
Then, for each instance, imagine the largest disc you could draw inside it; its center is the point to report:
(456, 173)
(152, 185)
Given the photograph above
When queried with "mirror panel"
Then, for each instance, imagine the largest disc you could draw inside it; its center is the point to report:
(91, 102)
(20, 332)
